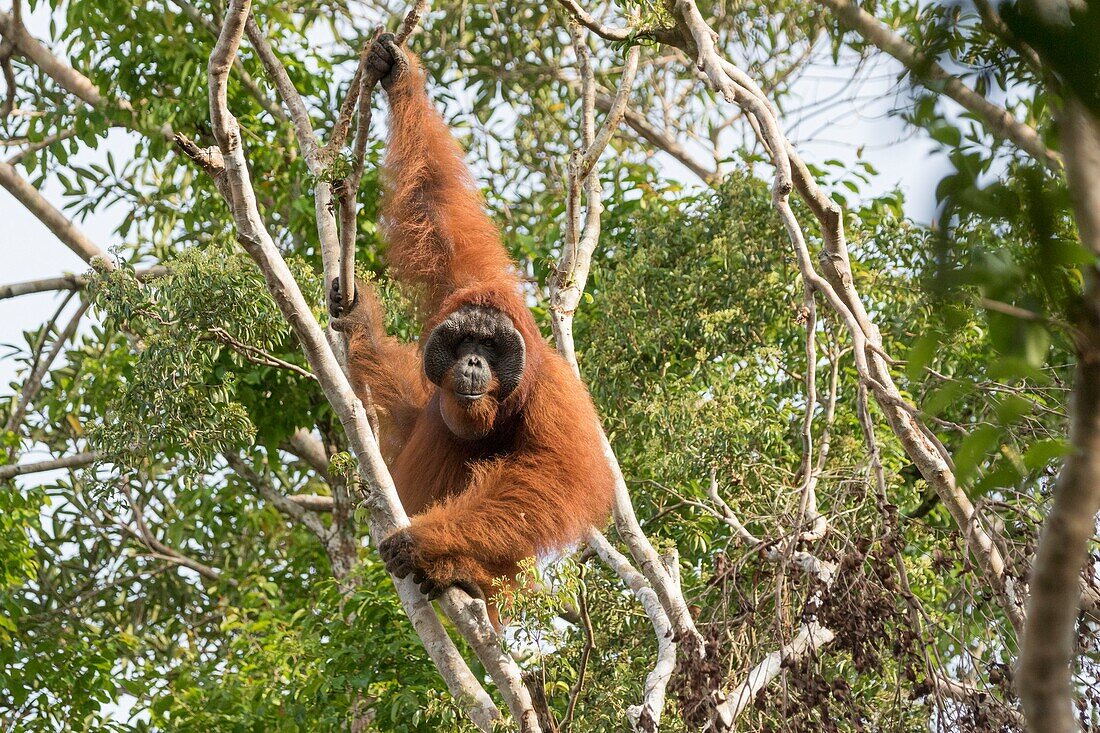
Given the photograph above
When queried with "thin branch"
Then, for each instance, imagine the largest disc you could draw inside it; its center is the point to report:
(997, 120)
(55, 221)
(78, 460)
(571, 274)
(313, 502)
(412, 19)
(34, 381)
(821, 570)
(976, 698)
(347, 190)
(41, 145)
(585, 620)
(661, 139)
(566, 288)
(296, 106)
(161, 550)
(614, 115)
(257, 355)
(70, 282)
(36, 52)
(285, 504)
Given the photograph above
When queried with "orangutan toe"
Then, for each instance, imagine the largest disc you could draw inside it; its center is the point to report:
(398, 552)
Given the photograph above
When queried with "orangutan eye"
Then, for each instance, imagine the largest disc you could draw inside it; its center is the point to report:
(489, 343)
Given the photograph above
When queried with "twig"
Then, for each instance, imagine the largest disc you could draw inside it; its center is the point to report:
(256, 355)
(661, 139)
(69, 282)
(41, 145)
(586, 651)
(159, 549)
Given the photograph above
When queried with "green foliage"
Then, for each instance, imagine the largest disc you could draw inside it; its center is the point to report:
(305, 664)
(692, 339)
(195, 386)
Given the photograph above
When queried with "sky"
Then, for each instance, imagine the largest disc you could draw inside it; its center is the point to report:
(859, 118)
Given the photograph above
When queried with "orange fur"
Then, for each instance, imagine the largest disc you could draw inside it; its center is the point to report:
(538, 479)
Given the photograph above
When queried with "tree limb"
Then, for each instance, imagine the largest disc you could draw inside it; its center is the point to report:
(1050, 638)
(160, 549)
(838, 289)
(660, 139)
(33, 382)
(647, 715)
(55, 221)
(78, 460)
(997, 120)
(381, 498)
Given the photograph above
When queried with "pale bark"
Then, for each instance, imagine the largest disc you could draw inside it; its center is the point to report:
(381, 498)
(566, 289)
(1049, 643)
(55, 221)
(78, 460)
(809, 639)
(645, 717)
(996, 119)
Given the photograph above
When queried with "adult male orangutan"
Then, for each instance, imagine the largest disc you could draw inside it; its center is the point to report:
(492, 442)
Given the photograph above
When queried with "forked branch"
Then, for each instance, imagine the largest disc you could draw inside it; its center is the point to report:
(386, 513)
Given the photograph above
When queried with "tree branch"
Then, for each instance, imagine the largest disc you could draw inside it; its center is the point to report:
(36, 52)
(54, 220)
(647, 715)
(160, 549)
(566, 288)
(34, 381)
(838, 289)
(661, 139)
(1050, 637)
(40, 145)
(381, 498)
(997, 120)
(810, 638)
(78, 460)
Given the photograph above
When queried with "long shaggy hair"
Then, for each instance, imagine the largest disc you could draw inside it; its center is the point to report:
(539, 479)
